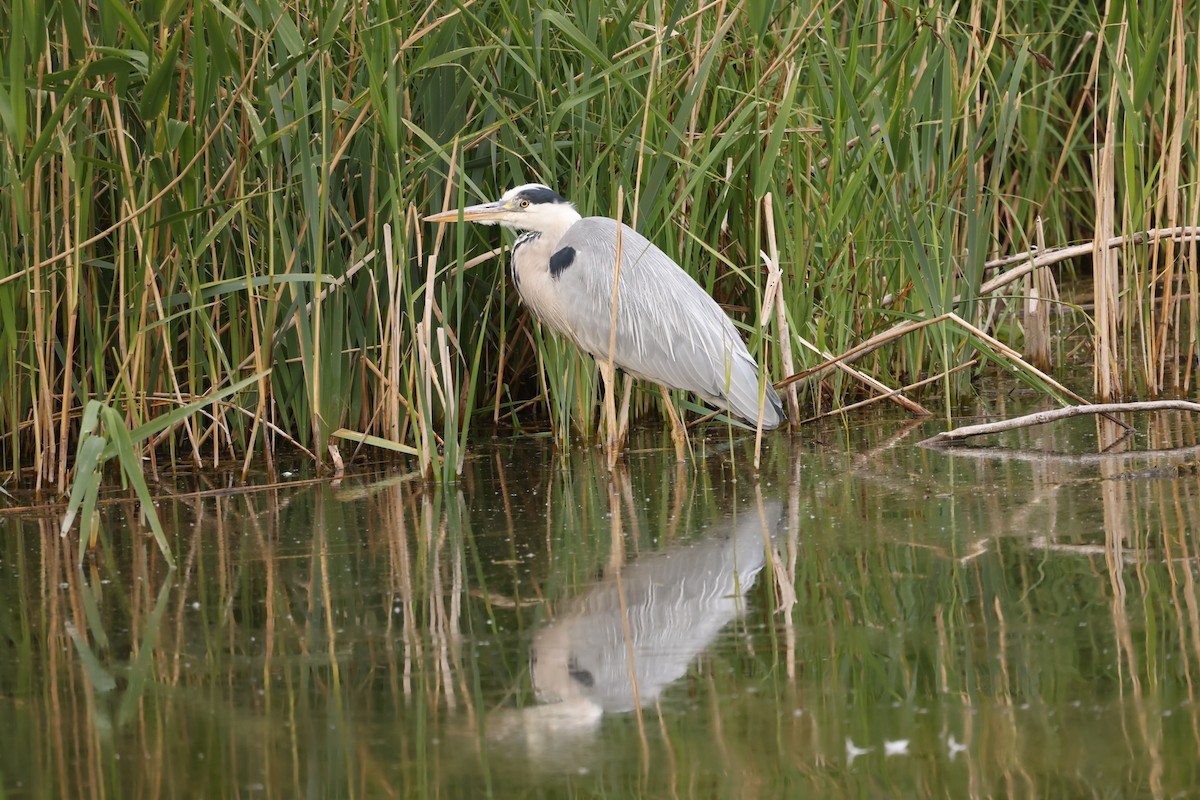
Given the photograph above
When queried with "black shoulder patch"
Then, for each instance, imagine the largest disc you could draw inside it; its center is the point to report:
(561, 260)
(541, 195)
(583, 677)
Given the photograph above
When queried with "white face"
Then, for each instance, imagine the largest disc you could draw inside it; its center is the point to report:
(510, 210)
(530, 206)
(515, 217)
(534, 206)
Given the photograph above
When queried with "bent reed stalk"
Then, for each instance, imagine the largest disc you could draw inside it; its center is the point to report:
(189, 200)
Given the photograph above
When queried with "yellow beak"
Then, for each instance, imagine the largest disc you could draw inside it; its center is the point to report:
(484, 212)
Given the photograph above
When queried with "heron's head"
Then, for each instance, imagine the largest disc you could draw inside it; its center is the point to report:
(531, 207)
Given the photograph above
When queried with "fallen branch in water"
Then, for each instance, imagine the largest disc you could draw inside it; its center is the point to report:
(1117, 458)
(1042, 417)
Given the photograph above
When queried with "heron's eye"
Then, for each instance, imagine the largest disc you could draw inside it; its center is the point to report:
(524, 204)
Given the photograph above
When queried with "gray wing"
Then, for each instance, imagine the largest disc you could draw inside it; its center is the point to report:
(669, 330)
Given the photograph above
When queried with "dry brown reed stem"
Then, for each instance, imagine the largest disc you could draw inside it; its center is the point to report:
(1167, 204)
(623, 414)
(1028, 262)
(775, 281)
(859, 350)
(773, 301)
(838, 362)
(391, 337)
(1193, 298)
(425, 374)
(1057, 254)
(1042, 417)
(872, 400)
(1039, 291)
(1105, 266)
(450, 402)
(879, 340)
(608, 368)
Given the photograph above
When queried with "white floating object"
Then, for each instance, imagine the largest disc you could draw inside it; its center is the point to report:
(955, 746)
(896, 748)
(853, 751)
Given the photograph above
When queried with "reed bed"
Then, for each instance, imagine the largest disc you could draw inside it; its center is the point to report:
(196, 197)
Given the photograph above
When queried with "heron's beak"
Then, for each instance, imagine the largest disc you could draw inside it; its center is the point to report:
(484, 212)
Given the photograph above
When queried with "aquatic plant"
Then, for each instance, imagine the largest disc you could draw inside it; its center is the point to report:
(193, 195)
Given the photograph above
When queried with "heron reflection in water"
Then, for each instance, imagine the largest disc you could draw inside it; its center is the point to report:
(677, 601)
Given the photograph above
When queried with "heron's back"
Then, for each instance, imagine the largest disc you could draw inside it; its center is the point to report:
(669, 330)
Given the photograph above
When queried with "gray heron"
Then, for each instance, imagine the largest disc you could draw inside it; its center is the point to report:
(669, 331)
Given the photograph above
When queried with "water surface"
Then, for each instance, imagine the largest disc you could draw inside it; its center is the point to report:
(863, 618)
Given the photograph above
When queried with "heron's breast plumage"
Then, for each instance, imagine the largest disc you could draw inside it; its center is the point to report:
(535, 279)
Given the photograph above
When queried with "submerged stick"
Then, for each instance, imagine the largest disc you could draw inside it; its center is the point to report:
(1042, 417)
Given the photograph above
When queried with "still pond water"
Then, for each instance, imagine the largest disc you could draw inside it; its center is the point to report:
(865, 619)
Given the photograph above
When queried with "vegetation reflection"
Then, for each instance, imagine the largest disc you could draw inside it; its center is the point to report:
(866, 615)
